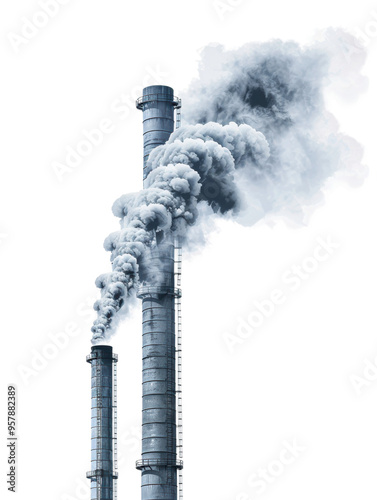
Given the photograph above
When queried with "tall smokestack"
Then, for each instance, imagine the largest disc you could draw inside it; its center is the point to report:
(159, 462)
(103, 423)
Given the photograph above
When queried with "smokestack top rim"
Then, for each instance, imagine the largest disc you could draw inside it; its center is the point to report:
(158, 89)
(102, 347)
(158, 93)
(101, 351)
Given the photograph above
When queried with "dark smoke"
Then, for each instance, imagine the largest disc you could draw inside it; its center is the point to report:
(263, 143)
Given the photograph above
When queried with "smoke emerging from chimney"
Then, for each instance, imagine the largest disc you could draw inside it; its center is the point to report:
(262, 143)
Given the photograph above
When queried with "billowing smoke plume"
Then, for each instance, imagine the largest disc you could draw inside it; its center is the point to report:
(194, 156)
(277, 88)
(262, 142)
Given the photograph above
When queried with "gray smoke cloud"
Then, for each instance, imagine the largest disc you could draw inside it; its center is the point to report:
(278, 89)
(258, 140)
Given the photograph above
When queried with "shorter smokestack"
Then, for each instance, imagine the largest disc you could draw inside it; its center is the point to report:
(103, 473)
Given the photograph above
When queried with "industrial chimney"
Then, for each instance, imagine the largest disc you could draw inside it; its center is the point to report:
(103, 473)
(159, 463)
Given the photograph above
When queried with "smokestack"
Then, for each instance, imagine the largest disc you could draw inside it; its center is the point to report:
(159, 462)
(103, 423)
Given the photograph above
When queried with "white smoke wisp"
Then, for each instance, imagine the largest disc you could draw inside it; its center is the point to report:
(262, 143)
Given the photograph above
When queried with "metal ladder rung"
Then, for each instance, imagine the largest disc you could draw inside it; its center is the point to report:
(178, 351)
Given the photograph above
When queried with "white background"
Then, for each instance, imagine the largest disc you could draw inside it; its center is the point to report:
(291, 378)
